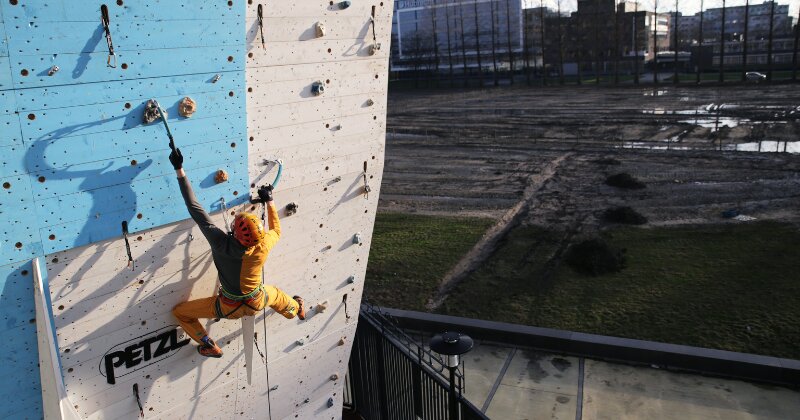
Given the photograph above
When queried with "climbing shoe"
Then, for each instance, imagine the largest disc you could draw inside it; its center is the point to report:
(301, 311)
(210, 349)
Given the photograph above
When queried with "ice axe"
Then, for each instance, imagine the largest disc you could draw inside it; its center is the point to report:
(152, 112)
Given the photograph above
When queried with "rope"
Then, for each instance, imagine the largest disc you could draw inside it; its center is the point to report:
(278, 176)
(106, 21)
(225, 214)
(266, 350)
(138, 400)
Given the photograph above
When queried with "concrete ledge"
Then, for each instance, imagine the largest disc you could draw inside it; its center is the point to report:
(705, 361)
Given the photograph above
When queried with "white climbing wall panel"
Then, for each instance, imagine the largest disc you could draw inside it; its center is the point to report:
(76, 161)
(332, 147)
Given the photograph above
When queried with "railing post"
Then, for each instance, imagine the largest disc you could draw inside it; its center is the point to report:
(452, 395)
(416, 371)
(384, 401)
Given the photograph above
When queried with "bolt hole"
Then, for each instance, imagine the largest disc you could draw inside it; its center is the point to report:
(42, 179)
(230, 3)
(250, 55)
(329, 50)
(327, 126)
(230, 58)
(14, 2)
(119, 2)
(376, 76)
(230, 93)
(233, 213)
(6, 185)
(138, 238)
(141, 281)
(139, 216)
(24, 272)
(54, 260)
(127, 105)
(124, 66)
(24, 72)
(233, 145)
(31, 117)
(70, 370)
(326, 168)
(236, 193)
(328, 81)
(249, 89)
(60, 307)
(134, 162)
(52, 237)
(320, 225)
(252, 138)
(66, 350)
(18, 245)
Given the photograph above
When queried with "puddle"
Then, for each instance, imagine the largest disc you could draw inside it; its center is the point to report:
(766, 146)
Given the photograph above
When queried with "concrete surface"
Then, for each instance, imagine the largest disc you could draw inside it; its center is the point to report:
(537, 385)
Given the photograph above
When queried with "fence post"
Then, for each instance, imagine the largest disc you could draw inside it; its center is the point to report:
(384, 402)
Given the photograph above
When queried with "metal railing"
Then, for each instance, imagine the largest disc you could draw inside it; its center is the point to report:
(391, 376)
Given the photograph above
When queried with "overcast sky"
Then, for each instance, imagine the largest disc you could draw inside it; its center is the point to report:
(686, 6)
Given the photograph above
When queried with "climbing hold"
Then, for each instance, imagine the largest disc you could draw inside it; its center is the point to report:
(357, 239)
(151, 112)
(216, 78)
(317, 88)
(319, 28)
(370, 102)
(337, 127)
(221, 176)
(291, 208)
(374, 48)
(330, 402)
(307, 400)
(337, 179)
(187, 107)
(343, 4)
(342, 341)
(300, 342)
(53, 70)
(351, 279)
(321, 307)
(274, 388)
(335, 377)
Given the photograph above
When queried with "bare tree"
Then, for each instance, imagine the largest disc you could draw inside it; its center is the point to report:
(544, 66)
(508, 36)
(527, 39)
(419, 50)
(463, 46)
(478, 42)
(560, 45)
(494, 43)
(449, 46)
(655, 41)
(700, 41)
(769, 41)
(796, 42)
(617, 49)
(722, 47)
(675, 79)
(744, 41)
(636, 42)
(435, 34)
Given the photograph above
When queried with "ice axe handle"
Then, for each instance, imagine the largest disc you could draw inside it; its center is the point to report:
(166, 125)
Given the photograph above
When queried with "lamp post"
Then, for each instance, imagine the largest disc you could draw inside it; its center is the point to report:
(451, 345)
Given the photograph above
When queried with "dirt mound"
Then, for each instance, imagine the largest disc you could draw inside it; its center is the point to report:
(595, 257)
(624, 215)
(624, 180)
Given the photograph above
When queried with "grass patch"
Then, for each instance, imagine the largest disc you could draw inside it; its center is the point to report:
(410, 254)
(733, 287)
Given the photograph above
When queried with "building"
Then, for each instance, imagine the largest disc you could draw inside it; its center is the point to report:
(439, 36)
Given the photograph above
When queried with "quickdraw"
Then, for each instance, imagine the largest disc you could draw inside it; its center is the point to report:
(261, 25)
(225, 214)
(127, 245)
(106, 22)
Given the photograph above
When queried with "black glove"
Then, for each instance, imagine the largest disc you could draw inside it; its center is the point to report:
(176, 158)
(265, 193)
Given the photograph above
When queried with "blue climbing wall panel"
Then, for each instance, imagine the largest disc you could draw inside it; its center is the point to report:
(76, 160)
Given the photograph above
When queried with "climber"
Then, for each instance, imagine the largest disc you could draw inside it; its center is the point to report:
(239, 258)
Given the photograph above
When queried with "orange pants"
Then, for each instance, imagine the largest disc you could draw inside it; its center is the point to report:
(189, 312)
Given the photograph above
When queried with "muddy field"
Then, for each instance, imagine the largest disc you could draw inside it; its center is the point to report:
(541, 156)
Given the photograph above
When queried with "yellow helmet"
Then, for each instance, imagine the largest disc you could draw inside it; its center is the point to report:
(247, 229)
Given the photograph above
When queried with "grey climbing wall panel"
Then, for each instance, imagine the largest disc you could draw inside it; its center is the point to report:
(76, 160)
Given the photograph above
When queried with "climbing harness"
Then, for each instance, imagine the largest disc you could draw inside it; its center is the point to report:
(261, 25)
(127, 245)
(231, 299)
(138, 400)
(105, 21)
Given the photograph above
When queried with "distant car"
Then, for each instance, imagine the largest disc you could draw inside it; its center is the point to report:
(754, 76)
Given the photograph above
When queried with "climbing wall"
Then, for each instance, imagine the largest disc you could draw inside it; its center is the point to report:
(301, 83)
